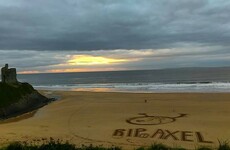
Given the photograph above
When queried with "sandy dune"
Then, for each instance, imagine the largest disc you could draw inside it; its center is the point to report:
(126, 120)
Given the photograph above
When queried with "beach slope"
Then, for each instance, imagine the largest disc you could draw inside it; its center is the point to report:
(128, 120)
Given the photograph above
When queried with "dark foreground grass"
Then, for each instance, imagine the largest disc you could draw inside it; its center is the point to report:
(54, 145)
(159, 147)
(57, 145)
(224, 145)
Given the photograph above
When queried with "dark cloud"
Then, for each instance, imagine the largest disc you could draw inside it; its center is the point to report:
(151, 34)
(110, 24)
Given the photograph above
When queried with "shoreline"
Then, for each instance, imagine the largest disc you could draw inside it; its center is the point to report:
(100, 118)
(136, 87)
(134, 92)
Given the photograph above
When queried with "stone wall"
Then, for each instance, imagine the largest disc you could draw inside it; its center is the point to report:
(9, 75)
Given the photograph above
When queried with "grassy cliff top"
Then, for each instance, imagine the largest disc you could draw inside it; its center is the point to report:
(12, 93)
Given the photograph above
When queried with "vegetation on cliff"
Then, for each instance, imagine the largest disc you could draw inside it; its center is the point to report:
(18, 98)
(12, 93)
(57, 145)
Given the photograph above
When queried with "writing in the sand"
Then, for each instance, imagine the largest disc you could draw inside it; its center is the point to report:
(145, 119)
(187, 136)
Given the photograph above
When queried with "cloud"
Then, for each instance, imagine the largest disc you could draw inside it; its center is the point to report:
(31, 61)
(43, 36)
(107, 24)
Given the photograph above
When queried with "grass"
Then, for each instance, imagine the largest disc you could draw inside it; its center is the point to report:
(12, 93)
(57, 145)
(224, 145)
(52, 145)
(49, 146)
(159, 146)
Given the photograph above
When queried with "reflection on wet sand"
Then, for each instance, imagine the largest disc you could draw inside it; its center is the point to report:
(93, 89)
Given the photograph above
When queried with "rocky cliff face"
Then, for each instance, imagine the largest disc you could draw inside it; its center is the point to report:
(16, 99)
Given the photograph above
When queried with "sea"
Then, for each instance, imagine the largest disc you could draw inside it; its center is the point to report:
(138, 81)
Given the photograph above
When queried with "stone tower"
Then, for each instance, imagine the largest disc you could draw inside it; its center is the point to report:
(9, 75)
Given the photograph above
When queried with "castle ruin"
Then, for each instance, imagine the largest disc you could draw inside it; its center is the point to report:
(9, 75)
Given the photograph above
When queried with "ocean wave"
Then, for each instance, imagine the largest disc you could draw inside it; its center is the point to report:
(143, 87)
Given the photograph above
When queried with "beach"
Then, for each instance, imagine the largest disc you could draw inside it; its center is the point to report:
(127, 120)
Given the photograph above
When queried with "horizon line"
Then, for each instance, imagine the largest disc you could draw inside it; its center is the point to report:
(123, 70)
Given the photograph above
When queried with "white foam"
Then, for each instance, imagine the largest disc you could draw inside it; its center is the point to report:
(142, 87)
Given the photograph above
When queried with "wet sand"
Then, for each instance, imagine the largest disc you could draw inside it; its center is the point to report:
(128, 120)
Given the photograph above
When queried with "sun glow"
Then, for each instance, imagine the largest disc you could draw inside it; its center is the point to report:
(93, 60)
(28, 72)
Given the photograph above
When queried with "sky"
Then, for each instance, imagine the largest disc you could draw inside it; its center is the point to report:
(45, 36)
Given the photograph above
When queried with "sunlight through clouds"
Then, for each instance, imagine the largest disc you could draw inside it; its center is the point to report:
(93, 60)
(114, 60)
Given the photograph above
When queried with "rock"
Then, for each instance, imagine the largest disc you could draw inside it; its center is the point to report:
(17, 98)
(28, 103)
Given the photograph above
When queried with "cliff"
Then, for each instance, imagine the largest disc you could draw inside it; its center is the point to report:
(19, 98)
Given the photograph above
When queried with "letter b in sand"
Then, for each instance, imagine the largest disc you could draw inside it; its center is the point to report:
(119, 133)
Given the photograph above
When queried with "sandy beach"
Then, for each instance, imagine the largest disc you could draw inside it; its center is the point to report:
(127, 120)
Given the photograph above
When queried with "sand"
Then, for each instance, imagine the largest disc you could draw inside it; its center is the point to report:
(112, 119)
